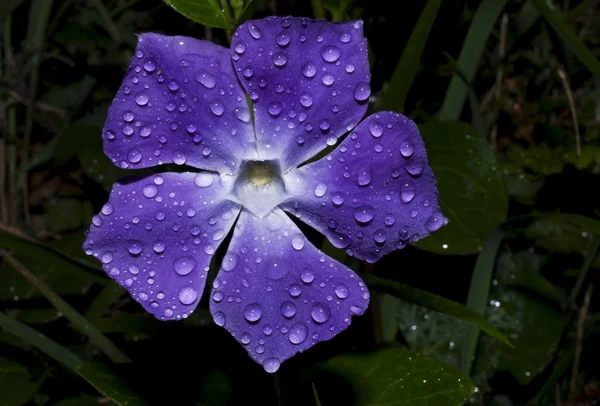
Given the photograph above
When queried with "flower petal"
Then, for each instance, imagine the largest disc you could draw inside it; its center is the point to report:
(278, 295)
(308, 79)
(180, 102)
(156, 236)
(375, 192)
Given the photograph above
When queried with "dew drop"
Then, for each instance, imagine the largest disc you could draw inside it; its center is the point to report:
(219, 318)
(415, 166)
(141, 99)
(320, 312)
(184, 265)
(407, 148)
(295, 290)
(434, 222)
(288, 309)
(364, 214)
(283, 39)
(254, 31)
(150, 191)
(362, 91)
(364, 177)
(274, 109)
(217, 108)
(306, 99)
(159, 247)
(407, 192)
(179, 158)
(203, 179)
(345, 37)
(342, 291)
(149, 65)
(298, 242)
(107, 209)
(328, 79)
(280, 59)
(271, 365)
(278, 269)
(253, 312)
(134, 247)
(206, 79)
(242, 114)
(337, 199)
(321, 189)
(330, 53)
(309, 70)
(307, 276)
(376, 129)
(379, 236)
(134, 156)
(188, 295)
(298, 333)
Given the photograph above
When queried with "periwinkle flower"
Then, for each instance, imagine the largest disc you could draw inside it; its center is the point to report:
(183, 101)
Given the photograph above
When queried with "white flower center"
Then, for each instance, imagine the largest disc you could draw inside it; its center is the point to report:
(260, 186)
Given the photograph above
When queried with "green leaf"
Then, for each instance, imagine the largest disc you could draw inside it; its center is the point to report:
(472, 191)
(109, 384)
(8, 6)
(67, 214)
(206, 12)
(564, 31)
(433, 302)
(396, 376)
(533, 323)
(478, 293)
(337, 8)
(216, 389)
(40, 341)
(556, 234)
(483, 21)
(410, 60)
(15, 381)
(83, 400)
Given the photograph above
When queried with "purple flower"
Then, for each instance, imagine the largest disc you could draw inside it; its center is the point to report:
(183, 101)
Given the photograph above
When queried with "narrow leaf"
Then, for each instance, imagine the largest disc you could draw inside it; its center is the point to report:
(409, 62)
(434, 302)
(40, 341)
(483, 21)
(395, 376)
(479, 290)
(206, 12)
(564, 31)
(109, 384)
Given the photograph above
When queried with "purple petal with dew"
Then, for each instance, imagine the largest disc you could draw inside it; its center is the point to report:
(375, 192)
(180, 102)
(278, 295)
(156, 236)
(308, 79)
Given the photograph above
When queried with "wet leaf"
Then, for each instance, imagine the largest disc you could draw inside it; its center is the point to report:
(397, 376)
(110, 384)
(472, 191)
(206, 12)
(15, 381)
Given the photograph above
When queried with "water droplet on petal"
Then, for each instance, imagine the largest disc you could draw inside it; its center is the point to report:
(278, 269)
(271, 365)
(288, 309)
(149, 65)
(219, 318)
(134, 156)
(415, 166)
(407, 191)
(337, 199)
(434, 222)
(240, 48)
(134, 247)
(364, 214)
(188, 295)
(362, 91)
(150, 191)
(298, 333)
(254, 31)
(376, 129)
(407, 148)
(274, 109)
(242, 114)
(253, 312)
(364, 177)
(298, 242)
(179, 158)
(328, 79)
(280, 59)
(345, 37)
(206, 79)
(283, 39)
(321, 189)
(159, 247)
(330, 53)
(141, 99)
(342, 291)
(128, 116)
(320, 312)
(380, 236)
(306, 99)
(107, 209)
(184, 265)
(295, 290)
(309, 70)
(203, 179)
(217, 108)
(307, 276)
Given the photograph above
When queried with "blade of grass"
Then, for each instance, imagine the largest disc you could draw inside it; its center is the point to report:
(41, 342)
(79, 322)
(483, 21)
(568, 36)
(408, 65)
(433, 302)
(479, 290)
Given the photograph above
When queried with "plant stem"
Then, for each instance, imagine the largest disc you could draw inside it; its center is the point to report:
(79, 322)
